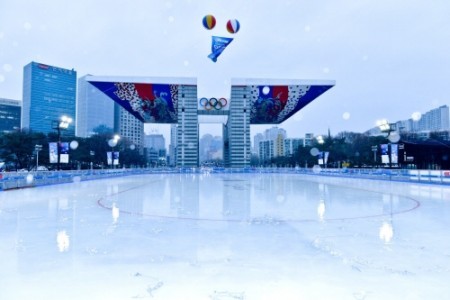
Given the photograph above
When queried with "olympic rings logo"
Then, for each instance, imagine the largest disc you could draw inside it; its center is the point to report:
(213, 103)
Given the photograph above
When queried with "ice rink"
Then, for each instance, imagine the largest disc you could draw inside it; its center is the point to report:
(226, 236)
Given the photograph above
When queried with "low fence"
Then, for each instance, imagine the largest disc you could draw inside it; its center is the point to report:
(15, 180)
(421, 176)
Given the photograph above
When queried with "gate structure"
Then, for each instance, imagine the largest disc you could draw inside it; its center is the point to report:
(174, 100)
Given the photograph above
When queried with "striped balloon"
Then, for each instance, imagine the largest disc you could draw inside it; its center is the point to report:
(233, 26)
(209, 22)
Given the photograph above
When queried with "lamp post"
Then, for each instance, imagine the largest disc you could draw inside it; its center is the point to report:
(374, 150)
(322, 154)
(386, 127)
(112, 143)
(92, 153)
(37, 148)
(61, 124)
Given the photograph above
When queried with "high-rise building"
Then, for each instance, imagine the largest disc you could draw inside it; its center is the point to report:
(210, 148)
(173, 145)
(279, 145)
(48, 94)
(309, 138)
(129, 127)
(94, 109)
(266, 150)
(435, 120)
(155, 141)
(156, 147)
(291, 146)
(256, 140)
(274, 132)
(10, 111)
(187, 131)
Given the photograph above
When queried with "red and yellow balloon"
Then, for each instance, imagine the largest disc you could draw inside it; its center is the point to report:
(209, 21)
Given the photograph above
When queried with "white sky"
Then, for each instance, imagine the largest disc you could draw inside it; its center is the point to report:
(389, 58)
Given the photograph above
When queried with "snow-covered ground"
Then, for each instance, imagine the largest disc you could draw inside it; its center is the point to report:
(230, 236)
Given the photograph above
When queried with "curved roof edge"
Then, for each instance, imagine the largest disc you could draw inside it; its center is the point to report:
(267, 81)
(143, 79)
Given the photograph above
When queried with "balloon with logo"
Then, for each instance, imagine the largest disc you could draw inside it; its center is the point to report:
(233, 26)
(209, 21)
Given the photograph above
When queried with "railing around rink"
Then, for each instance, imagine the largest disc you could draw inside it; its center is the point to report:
(15, 180)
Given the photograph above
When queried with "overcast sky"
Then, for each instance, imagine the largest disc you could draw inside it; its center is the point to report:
(389, 59)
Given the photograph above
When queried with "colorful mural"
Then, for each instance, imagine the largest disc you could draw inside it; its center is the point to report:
(274, 104)
(150, 103)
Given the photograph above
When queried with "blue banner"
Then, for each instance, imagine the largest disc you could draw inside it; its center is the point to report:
(384, 153)
(112, 158)
(218, 45)
(394, 153)
(53, 152)
(64, 153)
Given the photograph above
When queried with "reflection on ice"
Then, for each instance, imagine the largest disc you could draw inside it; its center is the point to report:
(386, 232)
(321, 209)
(62, 239)
(115, 213)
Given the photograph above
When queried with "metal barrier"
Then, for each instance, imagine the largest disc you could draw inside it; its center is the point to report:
(15, 180)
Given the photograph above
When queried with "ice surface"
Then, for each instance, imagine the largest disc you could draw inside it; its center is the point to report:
(226, 236)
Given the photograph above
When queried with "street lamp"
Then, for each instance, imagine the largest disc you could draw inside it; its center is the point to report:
(112, 143)
(386, 127)
(61, 124)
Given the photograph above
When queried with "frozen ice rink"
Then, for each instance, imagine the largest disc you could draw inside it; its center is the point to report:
(230, 236)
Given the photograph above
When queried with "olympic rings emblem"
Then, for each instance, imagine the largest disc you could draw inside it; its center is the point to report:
(213, 103)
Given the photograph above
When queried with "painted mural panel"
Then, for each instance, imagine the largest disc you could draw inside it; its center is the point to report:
(150, 103)
(274, 104)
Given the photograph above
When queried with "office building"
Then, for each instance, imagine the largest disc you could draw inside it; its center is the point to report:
(10, 111)
(155, 141)
(94, 109)
(49, 93)
(434, 120)
(129, 127)
(291, 146)
(266, 151)
(173, 145)
(259, 137)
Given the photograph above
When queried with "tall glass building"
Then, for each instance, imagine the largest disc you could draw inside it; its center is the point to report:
(10, 111)
(48, 93)
(94, 109)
